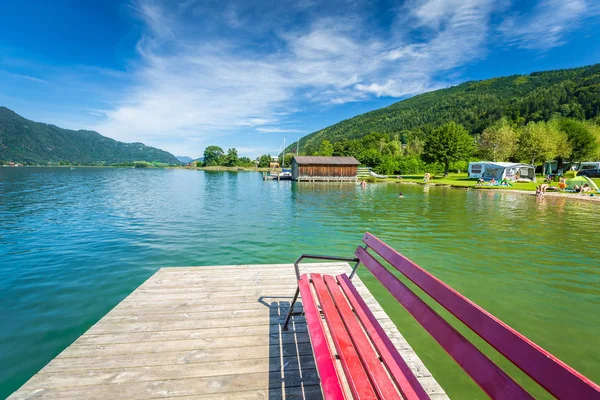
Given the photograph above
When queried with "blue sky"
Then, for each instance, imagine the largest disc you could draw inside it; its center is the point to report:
(182, 75)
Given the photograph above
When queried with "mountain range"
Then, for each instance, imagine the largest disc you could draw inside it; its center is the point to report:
(184, 159)
(573, 93)
(22, 140)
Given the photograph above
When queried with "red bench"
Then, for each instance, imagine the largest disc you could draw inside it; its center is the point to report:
(371, 365)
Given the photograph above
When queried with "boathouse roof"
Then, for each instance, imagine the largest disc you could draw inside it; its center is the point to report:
(321, 160)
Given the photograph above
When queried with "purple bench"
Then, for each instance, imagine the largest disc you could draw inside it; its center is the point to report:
(372, 366)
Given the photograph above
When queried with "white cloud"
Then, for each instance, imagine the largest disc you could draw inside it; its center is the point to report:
(194, 88)
(154, 16)
(274, 129)
(547, 25)
(23, 76)
(231, 17)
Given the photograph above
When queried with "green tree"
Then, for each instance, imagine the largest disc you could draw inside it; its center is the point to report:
(340, 148)
(232, 157)
(287, 159)
(212, 156)
(563, 148)
(414, 145)
(326, 148)
(594, 128)
(370, 157)
(387, 166)
(375, 140)
(264, 161)
(246, 162)
(581, 138)
(498, 142)
(450, 142)
(393, 148)
(410, 165)
(535, 144)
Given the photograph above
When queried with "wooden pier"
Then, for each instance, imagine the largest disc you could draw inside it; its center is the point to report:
(203, 333)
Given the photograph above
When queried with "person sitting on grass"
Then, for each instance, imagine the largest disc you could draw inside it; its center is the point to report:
(577, 189)
(562, 184)
(585, 188)
(479, 182)
(493, 182)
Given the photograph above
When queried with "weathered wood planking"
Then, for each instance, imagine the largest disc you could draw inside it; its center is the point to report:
(202, 333)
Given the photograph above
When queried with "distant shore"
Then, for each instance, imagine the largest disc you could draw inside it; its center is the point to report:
(235, 169)
(232, 169)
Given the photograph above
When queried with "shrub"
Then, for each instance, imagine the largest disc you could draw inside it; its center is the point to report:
(410, 165)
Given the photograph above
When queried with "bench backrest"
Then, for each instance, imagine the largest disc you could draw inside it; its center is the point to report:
(552, 374)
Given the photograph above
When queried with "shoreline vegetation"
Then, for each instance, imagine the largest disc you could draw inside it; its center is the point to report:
(461, 181)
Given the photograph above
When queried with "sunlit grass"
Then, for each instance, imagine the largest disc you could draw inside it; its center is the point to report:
(462, 180)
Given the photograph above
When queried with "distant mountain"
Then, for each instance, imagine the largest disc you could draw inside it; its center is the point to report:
(184, 159)
(22, 140)
(573, 93)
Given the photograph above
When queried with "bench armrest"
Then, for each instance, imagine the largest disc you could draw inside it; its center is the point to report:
(330, 258)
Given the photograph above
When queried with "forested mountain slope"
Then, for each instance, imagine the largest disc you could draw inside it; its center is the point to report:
(538, 96)
(22, 140)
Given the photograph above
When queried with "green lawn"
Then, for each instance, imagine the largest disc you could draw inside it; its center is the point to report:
(461, 180)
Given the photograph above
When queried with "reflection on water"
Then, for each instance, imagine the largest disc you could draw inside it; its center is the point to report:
(74, 243)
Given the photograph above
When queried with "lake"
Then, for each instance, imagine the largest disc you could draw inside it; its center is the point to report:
(74, 243)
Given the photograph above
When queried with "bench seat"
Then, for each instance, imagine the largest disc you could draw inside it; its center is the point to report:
(361, 362)
(370, 364)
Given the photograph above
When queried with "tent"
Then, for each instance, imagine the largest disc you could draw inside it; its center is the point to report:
(501, 170)
(580, 181)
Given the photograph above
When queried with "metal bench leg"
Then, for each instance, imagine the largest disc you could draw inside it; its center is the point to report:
(354, 270)
(291, 311)
(297, 270)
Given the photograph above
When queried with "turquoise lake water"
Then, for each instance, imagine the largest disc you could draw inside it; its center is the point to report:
(73, 243)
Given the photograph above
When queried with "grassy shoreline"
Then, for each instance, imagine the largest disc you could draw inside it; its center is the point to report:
(461, 181)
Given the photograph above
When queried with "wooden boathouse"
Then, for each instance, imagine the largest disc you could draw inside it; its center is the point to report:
(324, 169)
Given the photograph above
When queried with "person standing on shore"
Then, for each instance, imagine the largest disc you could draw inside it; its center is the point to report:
(541, 189)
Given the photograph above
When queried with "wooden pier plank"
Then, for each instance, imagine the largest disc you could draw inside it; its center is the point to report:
(203, 333)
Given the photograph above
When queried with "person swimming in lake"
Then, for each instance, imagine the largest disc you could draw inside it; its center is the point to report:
(400, 196)
(363, 183)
